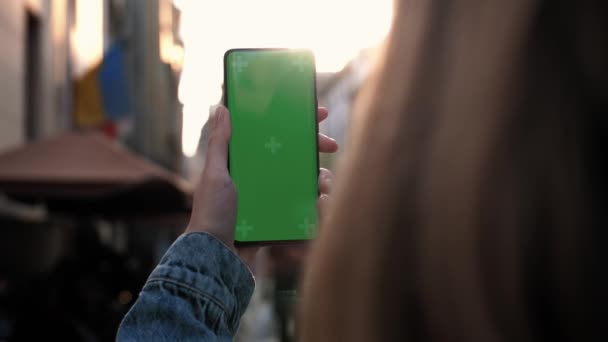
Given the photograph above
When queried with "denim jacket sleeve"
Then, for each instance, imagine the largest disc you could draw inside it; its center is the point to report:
(199, 291)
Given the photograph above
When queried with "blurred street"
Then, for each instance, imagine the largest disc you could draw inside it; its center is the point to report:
(102, 138)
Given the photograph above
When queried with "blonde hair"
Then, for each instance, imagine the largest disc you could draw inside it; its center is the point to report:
(464, 209)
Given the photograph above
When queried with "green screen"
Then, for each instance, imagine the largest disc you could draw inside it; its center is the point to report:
(273, 150)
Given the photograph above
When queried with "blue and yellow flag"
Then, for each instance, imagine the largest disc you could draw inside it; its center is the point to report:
(102, 95)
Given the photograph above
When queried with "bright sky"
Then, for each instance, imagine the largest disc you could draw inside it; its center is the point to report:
(87, 35)
(335, 30)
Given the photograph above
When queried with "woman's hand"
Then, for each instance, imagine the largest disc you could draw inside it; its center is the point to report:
(214, 209)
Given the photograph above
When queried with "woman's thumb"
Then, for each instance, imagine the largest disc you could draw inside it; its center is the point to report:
(217, 150)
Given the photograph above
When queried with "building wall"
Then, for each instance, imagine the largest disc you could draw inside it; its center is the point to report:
(52, 86)
(59, 70)
(11, 73)
(155, 132)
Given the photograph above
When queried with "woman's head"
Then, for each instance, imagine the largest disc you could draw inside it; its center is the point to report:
(469, 204)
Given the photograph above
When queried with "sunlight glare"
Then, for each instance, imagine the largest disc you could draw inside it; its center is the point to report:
(335, 30)
(87, 35)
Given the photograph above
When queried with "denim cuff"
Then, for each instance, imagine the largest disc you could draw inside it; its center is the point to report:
(204, 265)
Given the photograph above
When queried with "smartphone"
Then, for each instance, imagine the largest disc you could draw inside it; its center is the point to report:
(273, 153)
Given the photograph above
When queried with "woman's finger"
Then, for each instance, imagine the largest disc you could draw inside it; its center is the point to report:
(327, 144)
(322, 114)
(325, 181)
(322, 203)
(325, 184)
(217, 148)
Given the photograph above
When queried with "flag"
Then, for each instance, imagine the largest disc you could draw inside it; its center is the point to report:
(101, 96)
